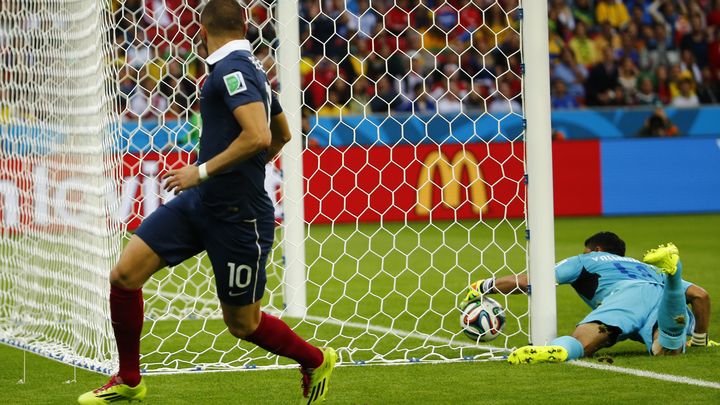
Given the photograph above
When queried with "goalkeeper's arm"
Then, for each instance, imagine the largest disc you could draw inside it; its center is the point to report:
(506, 285)
(699, 301)
(513, 284)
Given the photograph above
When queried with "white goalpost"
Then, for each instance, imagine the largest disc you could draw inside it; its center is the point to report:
(420, 162)
(293, 244)
(538, 141)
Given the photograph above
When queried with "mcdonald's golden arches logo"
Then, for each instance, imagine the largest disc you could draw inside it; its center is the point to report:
(453, 192)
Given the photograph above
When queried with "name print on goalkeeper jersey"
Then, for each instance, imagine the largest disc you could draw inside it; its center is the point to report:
(596, 275)
(235, 78)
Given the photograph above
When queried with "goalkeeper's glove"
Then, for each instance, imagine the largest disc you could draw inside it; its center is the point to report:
(701, 339)
(477, 289)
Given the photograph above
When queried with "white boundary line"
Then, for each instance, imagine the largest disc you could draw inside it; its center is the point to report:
(586, 364)
(401, 333)
(357, 325)
(647, 374)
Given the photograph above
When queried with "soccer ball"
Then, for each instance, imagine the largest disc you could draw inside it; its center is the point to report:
(482, 320)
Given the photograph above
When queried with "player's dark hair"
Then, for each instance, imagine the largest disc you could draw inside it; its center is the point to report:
(608, 242)
(223, 17)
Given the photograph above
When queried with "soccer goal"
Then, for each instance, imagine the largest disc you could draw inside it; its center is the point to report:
(420, 162)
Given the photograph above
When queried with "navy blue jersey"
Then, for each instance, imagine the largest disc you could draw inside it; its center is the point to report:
(236, 78)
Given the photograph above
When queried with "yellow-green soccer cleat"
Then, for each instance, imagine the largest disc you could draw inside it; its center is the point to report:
(538, 354)
(114, 391)
(664, 257)
(317, 382)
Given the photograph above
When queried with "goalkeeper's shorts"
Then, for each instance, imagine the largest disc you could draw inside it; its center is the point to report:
(633, 309)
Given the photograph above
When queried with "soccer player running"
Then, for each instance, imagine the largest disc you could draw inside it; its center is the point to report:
(223, 209)
(646, 302)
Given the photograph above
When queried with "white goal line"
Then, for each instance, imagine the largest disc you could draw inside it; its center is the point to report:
(402, 333)
(647, 374)
(356, 325)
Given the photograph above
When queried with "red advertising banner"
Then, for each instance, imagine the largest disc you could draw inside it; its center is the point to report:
(409, 182)
(141, 192)
(577, 181)
(45, 193)
(16, 183)
(399, 183)
(473, 181)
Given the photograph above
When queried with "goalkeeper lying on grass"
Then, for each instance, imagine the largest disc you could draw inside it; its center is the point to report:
(646, 302)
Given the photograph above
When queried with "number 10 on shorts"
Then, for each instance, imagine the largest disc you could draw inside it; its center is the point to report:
(239, 275)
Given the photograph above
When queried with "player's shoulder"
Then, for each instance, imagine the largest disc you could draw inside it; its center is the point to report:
(236, 72)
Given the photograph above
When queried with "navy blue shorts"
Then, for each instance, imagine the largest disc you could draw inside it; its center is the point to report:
(238, 250)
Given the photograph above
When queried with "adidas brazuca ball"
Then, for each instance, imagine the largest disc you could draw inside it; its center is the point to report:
(482, 320)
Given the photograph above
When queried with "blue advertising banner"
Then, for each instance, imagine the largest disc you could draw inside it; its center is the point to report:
(156, 136)
(476, 126)
(398, 129)
(414, 129)
(660, 176)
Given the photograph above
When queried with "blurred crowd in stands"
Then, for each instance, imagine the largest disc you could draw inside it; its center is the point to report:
(634, 52)
(447, 56)
(359, 56)
(158, 71)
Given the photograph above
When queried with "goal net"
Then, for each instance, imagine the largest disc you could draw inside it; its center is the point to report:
(58, 166)
(405, 180)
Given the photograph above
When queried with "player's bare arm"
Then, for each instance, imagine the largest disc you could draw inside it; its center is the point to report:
(699, 301)
(512, 284)
(254, 138)
(280, 135)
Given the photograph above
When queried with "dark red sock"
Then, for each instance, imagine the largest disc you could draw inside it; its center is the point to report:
(126, 313)
(273, 335)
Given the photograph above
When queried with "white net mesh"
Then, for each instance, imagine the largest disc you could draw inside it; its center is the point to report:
(58, 166)
(413, 176)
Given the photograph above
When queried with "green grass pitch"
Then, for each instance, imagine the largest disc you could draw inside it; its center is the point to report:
(697, 236)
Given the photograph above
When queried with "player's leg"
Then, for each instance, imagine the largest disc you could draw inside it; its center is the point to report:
(249, 323)
(658, 348)
(621, 314)
(591, 336)
(238, 253)
(137, 263)
(672, 315)
(585, 341)
(164, 237)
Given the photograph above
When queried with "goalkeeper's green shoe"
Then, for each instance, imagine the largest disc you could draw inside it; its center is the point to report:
(114, 391)
(538, 354)
(316, 382)
(664, 257)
